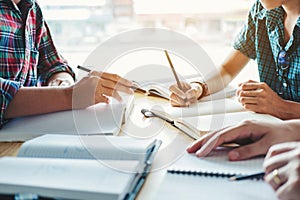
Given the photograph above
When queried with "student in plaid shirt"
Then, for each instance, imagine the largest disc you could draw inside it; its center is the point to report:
(29, 61)
(272, 37)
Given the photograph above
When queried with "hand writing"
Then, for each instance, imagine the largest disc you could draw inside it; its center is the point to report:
(190, 94)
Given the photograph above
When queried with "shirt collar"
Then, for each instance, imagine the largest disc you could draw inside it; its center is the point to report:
(12, 4)
(273, 17)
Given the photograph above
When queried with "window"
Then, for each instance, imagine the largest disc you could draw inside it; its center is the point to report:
(78, 26)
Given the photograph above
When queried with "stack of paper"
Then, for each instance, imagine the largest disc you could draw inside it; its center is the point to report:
(102, 119)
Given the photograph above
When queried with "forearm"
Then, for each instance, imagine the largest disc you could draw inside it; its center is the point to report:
(229, 69)
(39, 100)
(287, 110)
(218, 81)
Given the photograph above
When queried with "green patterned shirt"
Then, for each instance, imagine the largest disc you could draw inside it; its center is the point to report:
(262, 38)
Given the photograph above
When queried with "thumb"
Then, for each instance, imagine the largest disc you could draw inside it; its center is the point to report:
(247, 151)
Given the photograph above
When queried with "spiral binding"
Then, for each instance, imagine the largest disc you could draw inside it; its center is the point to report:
(205, 173)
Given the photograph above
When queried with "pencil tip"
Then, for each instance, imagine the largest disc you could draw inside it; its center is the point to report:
(233, 178)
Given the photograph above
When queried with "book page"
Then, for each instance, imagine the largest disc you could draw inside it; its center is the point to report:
(217, 163)
(86, 147)
(201, 108)
(218, 121)
(98, 119)
(68, 179)
(161, 90)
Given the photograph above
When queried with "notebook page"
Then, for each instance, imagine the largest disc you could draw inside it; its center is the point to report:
(86, 147)
(71, 179)
(218, 121)
(98, 119)
(217, 163)
(201, 108)
(178, 186)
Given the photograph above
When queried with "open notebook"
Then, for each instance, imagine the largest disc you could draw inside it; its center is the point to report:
(105, 119)
(79, 167)
(205, 178)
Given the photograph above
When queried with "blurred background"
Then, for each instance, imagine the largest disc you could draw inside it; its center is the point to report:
(78, 26)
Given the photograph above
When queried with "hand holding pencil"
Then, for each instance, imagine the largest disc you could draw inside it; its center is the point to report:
(183, 94)
(97, 87)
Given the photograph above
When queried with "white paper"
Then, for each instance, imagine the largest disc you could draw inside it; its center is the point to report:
(98, 119)
(184, 186)
(218, 121)
(86, 147)
(201, 108)
(177, 186)
(217, 162)
(71, 179)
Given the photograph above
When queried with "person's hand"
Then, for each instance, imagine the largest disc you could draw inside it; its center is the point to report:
(282, 167)
(97, 87)
(60, 79)
(255, 138)
(190, 94)
(259, 97)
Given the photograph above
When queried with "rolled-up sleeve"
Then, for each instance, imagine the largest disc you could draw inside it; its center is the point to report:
(8, 90)
(245, 40)
(50, 61)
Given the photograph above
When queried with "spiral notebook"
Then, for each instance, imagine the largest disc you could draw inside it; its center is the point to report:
(216, 164)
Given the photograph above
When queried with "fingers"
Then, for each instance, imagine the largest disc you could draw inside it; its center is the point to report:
(277, 177)
(178, 102)
(189, 95)
(108, 85)
(251, 130)
(258, 97)
(279, 155)
(248, 151)
(113, 81)
(275, 162)
(281, 148)
(178, 92)
(117, 79)
(115, 86)
(196, 145)
(178, 97)
(194, 92)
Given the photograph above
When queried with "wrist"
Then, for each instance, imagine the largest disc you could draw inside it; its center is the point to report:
(283, 109)
(68, 95)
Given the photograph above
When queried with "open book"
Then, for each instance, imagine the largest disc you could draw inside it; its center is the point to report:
(79, 167)
(156, 90)
(105, 119)
(162, 91)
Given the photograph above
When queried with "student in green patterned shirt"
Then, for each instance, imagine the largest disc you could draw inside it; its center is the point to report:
(271, 36)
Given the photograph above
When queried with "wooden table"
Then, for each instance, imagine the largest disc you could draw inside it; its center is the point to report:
(9, 148)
